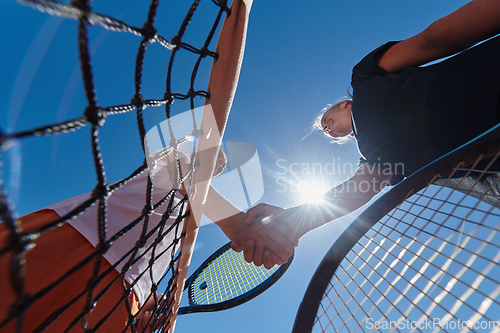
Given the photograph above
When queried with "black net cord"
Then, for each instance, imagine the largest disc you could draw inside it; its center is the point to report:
(21, 241)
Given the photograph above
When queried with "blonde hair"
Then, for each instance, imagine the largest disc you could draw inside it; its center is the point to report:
(316, 124)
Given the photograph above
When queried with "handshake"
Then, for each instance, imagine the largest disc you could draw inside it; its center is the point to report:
(266, 234)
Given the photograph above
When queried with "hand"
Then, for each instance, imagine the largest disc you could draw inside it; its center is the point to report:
(262, 211)
(261, 235)
(257, 253)
(280, 220)
(254, 250)
(144, 315)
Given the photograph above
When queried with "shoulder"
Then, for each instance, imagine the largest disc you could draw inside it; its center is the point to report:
(368, 66)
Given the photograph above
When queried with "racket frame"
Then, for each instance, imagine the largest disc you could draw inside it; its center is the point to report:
(484, 146)
(238, 300)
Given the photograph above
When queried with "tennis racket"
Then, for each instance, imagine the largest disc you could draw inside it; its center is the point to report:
(226, 280)
(423, 258)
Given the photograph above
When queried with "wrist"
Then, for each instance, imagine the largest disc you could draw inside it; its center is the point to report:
(226, 223)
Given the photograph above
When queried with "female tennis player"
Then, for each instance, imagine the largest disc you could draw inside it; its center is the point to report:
(404, 115)
(58, 251)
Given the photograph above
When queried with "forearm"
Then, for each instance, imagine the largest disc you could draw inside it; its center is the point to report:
(466, 26)
(217, 208)
(474, 22)
(232, 222)
(340, 201)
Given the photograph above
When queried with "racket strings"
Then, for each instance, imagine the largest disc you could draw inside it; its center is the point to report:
(332, 312)
(339, 289)
(433, 259)
(236, 279)
(469, 235)
(439, 210)
(387, 255)
(370, 296)
(227, 277)
(374, 290)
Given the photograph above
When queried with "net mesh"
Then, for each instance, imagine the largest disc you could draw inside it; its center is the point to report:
(19, 241)
(431, 264)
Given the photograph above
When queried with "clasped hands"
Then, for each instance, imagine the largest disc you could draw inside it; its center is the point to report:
(265, 234)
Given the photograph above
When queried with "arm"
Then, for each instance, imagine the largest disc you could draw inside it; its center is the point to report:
(296, 221)
(143, 317)
(466, 26)
(232, 222)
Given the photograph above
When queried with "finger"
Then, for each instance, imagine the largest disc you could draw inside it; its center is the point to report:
(280, 254)
(268, 261)
(259, 252)
(236, 246)
(249, 250)
(251, 215)
(289, 234)
(143, 323)
(148, 306)
(288, 231)
(260, 209)
(280, 245)
(161, 300)
(276, 259)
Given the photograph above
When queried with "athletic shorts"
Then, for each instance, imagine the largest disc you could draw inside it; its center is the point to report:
(57, 252)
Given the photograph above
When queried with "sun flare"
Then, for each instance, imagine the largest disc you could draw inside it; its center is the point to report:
(312, 192)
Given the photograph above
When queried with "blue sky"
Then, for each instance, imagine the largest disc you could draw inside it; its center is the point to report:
(298, 59)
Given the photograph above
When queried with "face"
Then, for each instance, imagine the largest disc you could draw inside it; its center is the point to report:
(336, 122)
